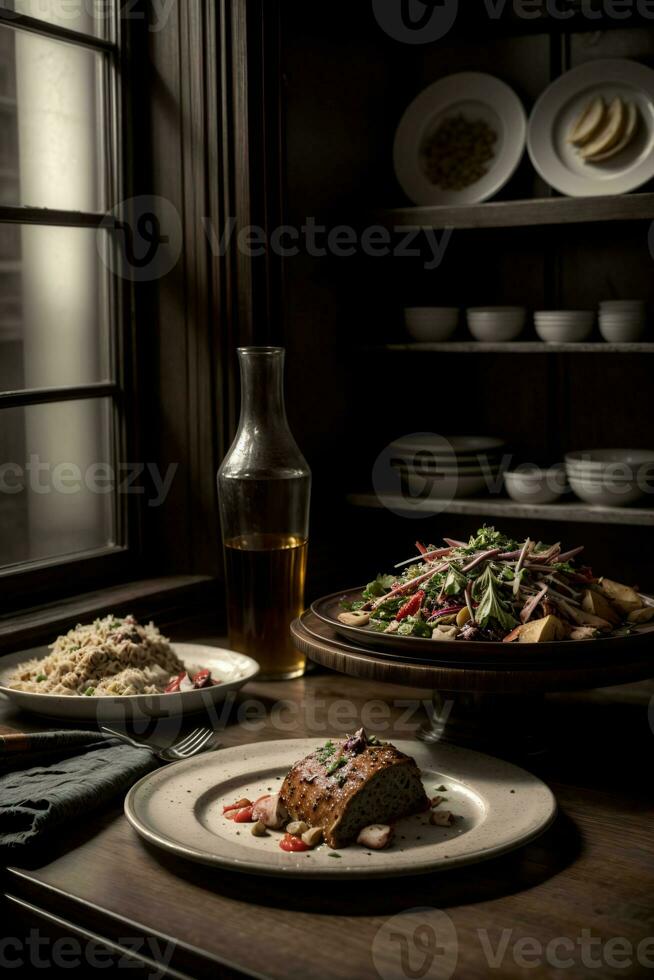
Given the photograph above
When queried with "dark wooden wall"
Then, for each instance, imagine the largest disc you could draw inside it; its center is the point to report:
(345, 87)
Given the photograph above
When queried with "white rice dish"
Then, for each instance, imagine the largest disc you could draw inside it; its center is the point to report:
(108, 658)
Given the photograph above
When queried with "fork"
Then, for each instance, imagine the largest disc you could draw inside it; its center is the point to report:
(199, 740)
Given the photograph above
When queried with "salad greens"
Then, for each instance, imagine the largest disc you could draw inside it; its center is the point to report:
(493, 587)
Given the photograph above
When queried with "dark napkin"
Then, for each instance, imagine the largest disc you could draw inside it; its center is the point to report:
(49, 778)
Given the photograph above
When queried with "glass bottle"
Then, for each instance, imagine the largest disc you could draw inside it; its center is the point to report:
(264, 488)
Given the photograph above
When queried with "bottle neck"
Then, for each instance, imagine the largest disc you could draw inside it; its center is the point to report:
(262, 387)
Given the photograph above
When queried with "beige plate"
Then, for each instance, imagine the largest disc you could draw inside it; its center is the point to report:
(233, 669)
(180, 809)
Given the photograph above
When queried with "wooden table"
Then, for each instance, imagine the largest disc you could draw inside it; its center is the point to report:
(584, 888)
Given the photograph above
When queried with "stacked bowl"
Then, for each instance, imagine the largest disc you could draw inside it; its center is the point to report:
(611, 477)
(447, 468)
(622, 321)
(496, 323)
(564, 326)
(431, 324)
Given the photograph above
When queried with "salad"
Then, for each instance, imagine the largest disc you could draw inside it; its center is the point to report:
(494, 588)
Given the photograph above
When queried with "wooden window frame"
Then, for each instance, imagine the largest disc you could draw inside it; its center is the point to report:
(201, 127)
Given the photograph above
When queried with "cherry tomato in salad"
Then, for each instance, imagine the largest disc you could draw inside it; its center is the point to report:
(411, 607)
(291, 843)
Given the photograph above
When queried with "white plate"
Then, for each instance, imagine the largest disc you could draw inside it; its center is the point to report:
(179, 808)
(475, 96)
(447, 446)
(562, 102)
(233, 669)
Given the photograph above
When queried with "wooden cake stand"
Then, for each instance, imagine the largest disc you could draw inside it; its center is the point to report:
(493, 708)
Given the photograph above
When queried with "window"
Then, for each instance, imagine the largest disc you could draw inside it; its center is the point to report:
(61, 383)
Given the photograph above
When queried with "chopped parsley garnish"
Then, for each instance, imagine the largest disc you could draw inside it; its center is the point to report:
(325, 752)
(42, 677)
(336, 764)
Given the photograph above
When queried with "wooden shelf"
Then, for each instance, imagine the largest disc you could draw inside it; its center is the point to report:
(518, 347)
(576, 511)
(527, 213)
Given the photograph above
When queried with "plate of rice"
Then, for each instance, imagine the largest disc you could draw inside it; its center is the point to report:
(117, 667)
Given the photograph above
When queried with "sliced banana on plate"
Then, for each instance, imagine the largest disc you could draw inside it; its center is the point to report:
(629, 132)
(610, 134)
(589, 123)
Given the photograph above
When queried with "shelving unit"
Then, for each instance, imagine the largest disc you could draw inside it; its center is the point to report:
(517, 347)
(573, 512)
(526, 213)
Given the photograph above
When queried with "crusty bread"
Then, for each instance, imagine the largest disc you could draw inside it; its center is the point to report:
(346, 785)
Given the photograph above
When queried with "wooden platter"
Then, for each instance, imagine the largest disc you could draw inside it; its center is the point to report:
(322, 644)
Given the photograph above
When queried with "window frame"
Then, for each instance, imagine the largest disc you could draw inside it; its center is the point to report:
(23, 582)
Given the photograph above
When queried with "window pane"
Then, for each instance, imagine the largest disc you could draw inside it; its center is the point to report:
(54, 308)
(56, 497)
(52, 123)
(88, 16)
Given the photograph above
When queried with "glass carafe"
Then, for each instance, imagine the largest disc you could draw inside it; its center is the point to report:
(264, 488)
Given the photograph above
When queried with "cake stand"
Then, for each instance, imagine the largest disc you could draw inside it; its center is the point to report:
(499, 709)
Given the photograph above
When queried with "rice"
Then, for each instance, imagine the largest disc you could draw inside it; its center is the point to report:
(110, 657)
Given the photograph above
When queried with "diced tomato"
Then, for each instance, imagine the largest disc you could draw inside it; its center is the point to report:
(174, 683)
(238, 805)
(244, 815)
(291, 843)
(202, 679)
(231, 814)
(411, 607)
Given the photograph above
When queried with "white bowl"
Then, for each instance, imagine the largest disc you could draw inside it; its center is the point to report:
(431, 324)
(494, 310)
(499, 324)
(564, 314)
(621, 333)
(536, 486)
(564, 332)
(598, 458)
(619, 305)
(606, 494)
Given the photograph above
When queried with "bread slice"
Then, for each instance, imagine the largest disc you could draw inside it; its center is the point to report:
(343, 789)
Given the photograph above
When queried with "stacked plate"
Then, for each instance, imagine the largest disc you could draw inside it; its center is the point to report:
(611, 477)
(430, 324)
(622, 321)
(564, 326)
(496, 323)
(445, 468)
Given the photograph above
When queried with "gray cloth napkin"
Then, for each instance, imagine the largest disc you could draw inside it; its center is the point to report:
(58, 776)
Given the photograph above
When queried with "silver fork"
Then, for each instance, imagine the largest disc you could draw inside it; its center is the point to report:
(199, 740)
